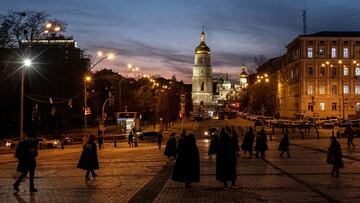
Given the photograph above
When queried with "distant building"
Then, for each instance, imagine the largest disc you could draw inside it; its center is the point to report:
(243, 79)
(318, 76)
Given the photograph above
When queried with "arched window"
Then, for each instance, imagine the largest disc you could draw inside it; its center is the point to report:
(202, 86)
(322, 71)
(310, 71)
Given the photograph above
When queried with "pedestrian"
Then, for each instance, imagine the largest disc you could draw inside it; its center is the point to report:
(170, 149)
(236, 140)
(131, 139)
(226, 160)
(349, 132)
(159, 140)
(261, 145)
(100, 141)
(284, 144)
(85, 139)
(248, 141)
(187, 165)
(26, 152)
(334, 157)
(88, 159)
(213, 144)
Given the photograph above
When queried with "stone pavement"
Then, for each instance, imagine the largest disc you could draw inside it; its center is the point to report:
(142, 174)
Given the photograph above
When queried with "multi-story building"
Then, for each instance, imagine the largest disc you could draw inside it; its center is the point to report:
(318, 76)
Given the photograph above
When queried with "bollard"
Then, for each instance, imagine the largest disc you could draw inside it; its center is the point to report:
(114, 141)
(302, 135)
(317, 135)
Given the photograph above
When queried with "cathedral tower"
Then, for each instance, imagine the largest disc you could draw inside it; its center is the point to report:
(202, 81)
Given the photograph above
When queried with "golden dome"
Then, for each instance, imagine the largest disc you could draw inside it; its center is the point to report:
(202, 48)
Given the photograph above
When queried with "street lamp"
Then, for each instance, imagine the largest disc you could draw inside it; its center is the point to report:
(127, 70)
(26, 64)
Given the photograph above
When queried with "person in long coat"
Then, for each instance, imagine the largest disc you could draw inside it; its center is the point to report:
(349, 132)
(213, 144)
(334, 156)
(236, 140)
(261, 145)
(226, 159)
(248, 141)
(88, 159)
(26, 153)
(170, 148)
(187, 165)
(284, 144)
(159, 140)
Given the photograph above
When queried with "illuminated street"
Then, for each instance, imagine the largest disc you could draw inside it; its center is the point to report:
(142, 175)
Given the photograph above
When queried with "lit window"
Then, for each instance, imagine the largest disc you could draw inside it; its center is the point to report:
(322, 106)
(322, 89)
(322, 51)
(333, 52)
(334, 89)
(357, 71)
(333, 106)
(357, 106)
(346, 89)
(346, 71)
(310, 106)
(310, 89)
(309, 52)
(357, 89)
(346, 52)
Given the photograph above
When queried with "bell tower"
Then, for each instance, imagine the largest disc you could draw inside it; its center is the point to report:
(202, 81)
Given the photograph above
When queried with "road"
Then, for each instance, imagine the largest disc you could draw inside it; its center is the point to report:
(142, 174)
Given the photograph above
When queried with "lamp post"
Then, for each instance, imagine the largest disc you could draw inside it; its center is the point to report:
(127, 71)
(87, 79)
(26, 64)
(263, 79)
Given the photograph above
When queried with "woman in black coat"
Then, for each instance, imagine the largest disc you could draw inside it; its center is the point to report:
(88, 159)
(335, 157)
(261, 145)
(213, 144)
(226, 159)
(284, 145)
(248, 141)
(187, 165)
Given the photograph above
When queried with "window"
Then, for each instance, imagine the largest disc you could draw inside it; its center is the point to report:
(346, 52)
(322, 106)
(310, 89)
(333, 106)
(310, 71)
(357, 89)
(202, 86)
(346, 71)
(346, 89)
(309, 52)
(333, 72)
(357, 71)
(333, 52)
(310, 106)
(334, 89)
(202, 60)
(322, 51)
(322, 89)
(292, 74)
(322, 71)
(357, 106)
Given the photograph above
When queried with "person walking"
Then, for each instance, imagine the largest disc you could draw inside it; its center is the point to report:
(261, 145)
(334, 157)
(349, 132)
(187, 165)
(170, 149)
(131, 139)
(100, 141)
(226, 160)
(248, 141)
(236, 140)
(88, 159)
(213, 144)
(159, 140)
(26, 152)
(284, 144)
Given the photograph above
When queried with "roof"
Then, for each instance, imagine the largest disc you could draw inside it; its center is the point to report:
(334, 34)
(202, 48)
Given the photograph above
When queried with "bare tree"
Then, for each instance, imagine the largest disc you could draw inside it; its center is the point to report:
(24, 25)
(260, 59)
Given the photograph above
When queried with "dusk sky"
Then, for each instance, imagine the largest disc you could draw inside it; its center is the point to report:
(160, 36)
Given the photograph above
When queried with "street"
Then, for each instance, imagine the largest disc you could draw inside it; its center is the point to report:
(143, 174)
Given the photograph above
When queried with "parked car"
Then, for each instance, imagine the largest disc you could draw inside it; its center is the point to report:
(149, 136)
(48, 143)
(258, 123)
(327, 124)
(12, 143)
